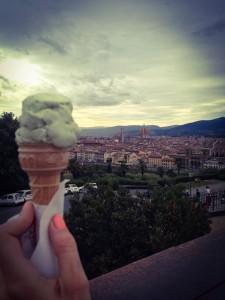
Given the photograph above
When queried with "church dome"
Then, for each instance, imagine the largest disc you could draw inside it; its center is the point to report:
(144, 132)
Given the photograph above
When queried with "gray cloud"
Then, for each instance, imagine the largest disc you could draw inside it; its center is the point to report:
(124, 60)
(213, 29)
(7, 85)
(4, 79)
(55, 45)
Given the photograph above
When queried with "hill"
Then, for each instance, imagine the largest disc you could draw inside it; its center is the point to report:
(215, 127)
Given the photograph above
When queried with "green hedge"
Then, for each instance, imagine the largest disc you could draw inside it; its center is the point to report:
(208, 176)
(114, 181)
(221, 177)
(127, 181)
(181, 179)
(202, 177)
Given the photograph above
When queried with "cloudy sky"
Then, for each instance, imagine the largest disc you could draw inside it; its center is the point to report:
(121, 62)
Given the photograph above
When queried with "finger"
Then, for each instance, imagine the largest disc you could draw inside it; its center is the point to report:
(71, 274)
(12, 259)
(18, 225)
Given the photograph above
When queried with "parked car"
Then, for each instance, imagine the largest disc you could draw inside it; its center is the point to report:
(26, 194)
(87, 186)
(11, 199)
(71, 188)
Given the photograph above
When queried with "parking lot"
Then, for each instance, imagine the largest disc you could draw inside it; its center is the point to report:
(6, 212)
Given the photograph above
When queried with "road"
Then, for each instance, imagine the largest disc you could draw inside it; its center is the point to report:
(213, 187)
(7, 212)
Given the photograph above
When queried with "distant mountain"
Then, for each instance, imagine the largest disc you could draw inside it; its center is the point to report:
(115, 130)
(214, 127)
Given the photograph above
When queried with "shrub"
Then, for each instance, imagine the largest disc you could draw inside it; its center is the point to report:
(221, 177)
(114, 229)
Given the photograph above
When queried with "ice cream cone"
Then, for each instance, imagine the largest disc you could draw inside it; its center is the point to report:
(43, 163)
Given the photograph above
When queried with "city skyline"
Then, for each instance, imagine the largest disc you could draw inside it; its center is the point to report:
(120, 62)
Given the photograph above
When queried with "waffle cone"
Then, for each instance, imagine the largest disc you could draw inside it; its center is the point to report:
(43, 163)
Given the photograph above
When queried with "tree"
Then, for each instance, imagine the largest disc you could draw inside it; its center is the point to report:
(160, 172)
(171, 173)
(123, 168)
(12, 177)
(177, 220)
(178, 162)
(80, 170)
(142, 167)
(75, 167)
(110, 230)
(109, 167)
(88, 169)
(114, 229)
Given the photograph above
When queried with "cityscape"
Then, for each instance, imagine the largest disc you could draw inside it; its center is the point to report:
(192, 152)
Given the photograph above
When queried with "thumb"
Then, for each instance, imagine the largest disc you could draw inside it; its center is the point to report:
(71, 273)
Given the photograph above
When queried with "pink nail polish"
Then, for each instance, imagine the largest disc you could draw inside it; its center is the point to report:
(58, 222)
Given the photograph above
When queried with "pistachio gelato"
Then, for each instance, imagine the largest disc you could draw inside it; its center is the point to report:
(47, 118)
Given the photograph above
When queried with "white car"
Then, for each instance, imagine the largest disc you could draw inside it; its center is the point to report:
(26, 194)
(11, 199)
(71, 188)
(84, 188)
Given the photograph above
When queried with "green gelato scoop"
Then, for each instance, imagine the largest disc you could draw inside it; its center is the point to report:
(47, 118)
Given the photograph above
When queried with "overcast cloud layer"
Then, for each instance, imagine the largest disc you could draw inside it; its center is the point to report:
(158, 62)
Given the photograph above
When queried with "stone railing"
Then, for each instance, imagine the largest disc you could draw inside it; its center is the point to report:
(194, 270)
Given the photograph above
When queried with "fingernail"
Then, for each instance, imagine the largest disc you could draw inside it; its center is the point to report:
(58, 222)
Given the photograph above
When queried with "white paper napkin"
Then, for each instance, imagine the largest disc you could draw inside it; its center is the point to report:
(42, 257)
